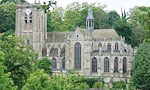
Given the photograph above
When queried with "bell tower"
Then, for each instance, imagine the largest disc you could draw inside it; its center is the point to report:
(90, 21)
(31, 24)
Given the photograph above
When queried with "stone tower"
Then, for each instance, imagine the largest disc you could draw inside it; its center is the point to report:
(31, 24)
(90, 20)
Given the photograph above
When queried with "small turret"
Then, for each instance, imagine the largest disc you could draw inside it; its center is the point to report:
(90, 21)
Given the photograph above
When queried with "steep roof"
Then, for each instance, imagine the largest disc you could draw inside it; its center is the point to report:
(57, 37)
(83, 31)
(101, 33)
(105, 33)
(98, 34)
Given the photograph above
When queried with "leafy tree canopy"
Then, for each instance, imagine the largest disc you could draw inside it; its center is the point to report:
(15, 1)
(68, 82)
(123, 28)
(19, 58)
(75, 15)
(7, 16)
(38, 80)
(141, 68)
(6, 83)
(119, 85)
(45, 64)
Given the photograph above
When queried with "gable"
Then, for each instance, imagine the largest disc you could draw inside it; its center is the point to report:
(77, 35)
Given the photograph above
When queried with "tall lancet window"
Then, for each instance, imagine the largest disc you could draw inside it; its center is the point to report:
(90, 20)
(30, 17)
(99, 46)
(54, 63)
(116, 46)
(116, 64)
(25, 18)
(106, 64)
(124, 65)
(63, 63)
(77, 56)
(94, 65)
(109, 47)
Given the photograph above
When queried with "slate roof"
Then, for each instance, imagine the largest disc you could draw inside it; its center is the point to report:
(98, 34)
(83, 31)
(57, 37)
(101, 33)
(105, 33)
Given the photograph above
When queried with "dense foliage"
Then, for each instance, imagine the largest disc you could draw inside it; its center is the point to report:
(6, 83)
(141, 74)
(75, 15)
(15, 1)
(19, 58)
(119, 85)
(7, 16)
(38, 80)
(45, 64)
(124, 29)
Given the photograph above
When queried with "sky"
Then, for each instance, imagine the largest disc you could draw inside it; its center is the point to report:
(111, 4)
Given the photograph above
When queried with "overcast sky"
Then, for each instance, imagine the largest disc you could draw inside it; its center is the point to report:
(111, 4)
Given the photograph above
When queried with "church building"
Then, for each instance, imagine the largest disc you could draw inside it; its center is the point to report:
(91, 52)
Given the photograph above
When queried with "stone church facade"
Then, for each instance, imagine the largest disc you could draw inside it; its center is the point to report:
(92, 53)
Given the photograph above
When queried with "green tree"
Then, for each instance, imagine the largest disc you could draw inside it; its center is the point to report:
(68, 82)
(46, 8)
(56, 19)
(137, 26)
(119, 85)
(6, 83)
(131, 85)
(7, 16)
(72, 17)
(75, 15)
(100, 18)
(45, 64)
(146, 23)
(38, 80)
(15, 1)
(19, 58)
(123, 28)
(112, 18)
(141, 67)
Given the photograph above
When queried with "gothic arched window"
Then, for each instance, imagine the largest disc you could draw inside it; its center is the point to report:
(99, 45)
(116, 64)
(28, 42)
(53, 52)
(94, 65)
(109, 47)
(30, 16)
(25, 18)
(54, 63)
(77, 56)
(106, 64)
(63, 63)
(116, 46)
(124, 65)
